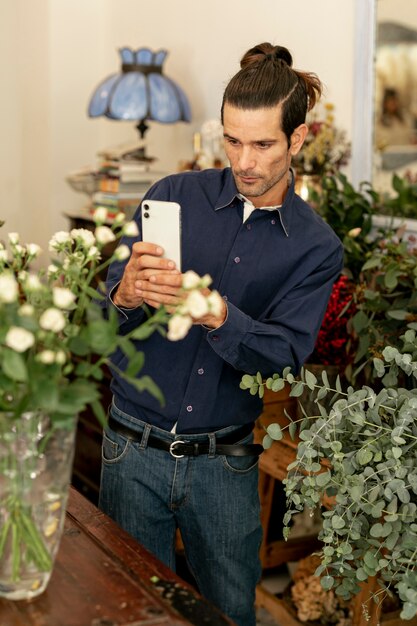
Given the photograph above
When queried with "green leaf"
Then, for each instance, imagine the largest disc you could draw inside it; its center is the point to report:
(292, 429)
(259, 378)
(274, 431)
(327, 582)
(311, 380)
(102, 339)
(361, 575)
(135, 364)
(338, 522)
(297, 390)
(391, 278)
(14, 366)
(267, 441)
(364, 456)
(323, 479)
(247, 381)
(371, 561)
(409, 610)
(398, 314)
(278, 384)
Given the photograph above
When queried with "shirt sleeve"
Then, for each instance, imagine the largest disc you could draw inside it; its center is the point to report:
(287, 337)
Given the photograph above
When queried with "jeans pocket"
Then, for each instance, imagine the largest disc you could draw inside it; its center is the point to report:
(114, 447)
(241, 464)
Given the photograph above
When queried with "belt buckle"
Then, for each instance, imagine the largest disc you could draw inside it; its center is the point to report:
(172, 449)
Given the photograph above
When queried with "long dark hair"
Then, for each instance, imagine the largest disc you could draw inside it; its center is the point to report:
(267, 78)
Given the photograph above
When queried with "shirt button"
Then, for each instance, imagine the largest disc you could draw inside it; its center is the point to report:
(273, 222)
(248, 226)
(215, 337)
(189, 408)
(236, 259)
(200, 371)
(225, 298)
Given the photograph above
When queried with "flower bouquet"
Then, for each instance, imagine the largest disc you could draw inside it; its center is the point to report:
(55, 340)
(325, 148)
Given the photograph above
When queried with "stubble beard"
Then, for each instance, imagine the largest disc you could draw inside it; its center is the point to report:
(260, 187)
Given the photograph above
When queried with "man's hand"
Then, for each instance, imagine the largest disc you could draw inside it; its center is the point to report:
(148, 278)
(145, 261)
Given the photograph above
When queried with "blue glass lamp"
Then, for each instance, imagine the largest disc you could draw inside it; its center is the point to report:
(140, 92)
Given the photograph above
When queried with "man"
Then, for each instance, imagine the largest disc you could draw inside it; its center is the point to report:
(274, 262)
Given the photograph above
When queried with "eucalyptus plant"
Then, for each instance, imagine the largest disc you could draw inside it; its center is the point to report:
(384, 302)
(359, 456)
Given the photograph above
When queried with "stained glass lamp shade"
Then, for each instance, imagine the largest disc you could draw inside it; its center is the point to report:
(140, 92)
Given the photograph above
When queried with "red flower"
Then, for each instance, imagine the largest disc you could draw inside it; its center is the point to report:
(331, 348)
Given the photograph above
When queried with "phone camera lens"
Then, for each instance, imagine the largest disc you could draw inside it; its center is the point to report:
(146, 215)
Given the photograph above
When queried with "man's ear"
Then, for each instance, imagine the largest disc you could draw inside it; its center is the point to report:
(297, 139)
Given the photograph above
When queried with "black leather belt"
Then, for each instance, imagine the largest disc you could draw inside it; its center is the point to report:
(180, 447)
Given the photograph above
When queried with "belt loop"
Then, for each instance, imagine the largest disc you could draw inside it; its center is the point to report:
(212, 445)
(145, 436)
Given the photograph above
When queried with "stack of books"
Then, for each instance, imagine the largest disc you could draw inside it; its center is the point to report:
(122, 181)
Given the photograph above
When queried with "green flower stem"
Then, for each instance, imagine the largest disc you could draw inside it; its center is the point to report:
(15, 553)
(34, 539)
(3, 535)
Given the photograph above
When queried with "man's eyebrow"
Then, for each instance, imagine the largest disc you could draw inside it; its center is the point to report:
(270, 140)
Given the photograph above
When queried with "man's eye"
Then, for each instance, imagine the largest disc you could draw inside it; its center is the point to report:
(263, 145)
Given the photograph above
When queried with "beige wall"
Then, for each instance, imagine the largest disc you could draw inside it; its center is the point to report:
(54, 52)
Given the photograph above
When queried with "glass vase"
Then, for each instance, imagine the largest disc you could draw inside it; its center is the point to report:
(36, 458)
(305, 183)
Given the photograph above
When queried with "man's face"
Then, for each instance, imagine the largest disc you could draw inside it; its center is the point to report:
(258, 152)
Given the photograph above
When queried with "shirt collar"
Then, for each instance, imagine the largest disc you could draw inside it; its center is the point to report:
(229, 193)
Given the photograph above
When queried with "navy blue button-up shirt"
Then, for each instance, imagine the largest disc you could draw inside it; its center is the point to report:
(275, 272)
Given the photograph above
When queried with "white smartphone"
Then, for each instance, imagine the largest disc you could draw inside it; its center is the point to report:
(161, 224)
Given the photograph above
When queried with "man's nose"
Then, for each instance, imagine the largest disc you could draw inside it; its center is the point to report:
(247, 159)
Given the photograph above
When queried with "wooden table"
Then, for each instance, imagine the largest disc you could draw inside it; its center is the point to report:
(103, 577)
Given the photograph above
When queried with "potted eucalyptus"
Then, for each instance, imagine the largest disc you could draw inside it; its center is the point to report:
(55, 341)
(358, 456)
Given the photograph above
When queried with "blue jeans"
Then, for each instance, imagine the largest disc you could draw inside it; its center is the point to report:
(212, 499)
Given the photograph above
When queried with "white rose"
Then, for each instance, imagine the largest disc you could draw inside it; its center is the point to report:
(52, 319)
(216, 303)
(19, 249)
(205, 280)
(85, 236)
(130, 229)
(8, 288)
(196, 304)
(104, 235)
(33, 249)
(52, 270)
(26, 310)
(63, 298)
(46, 356)
(60, 357)
(58, 239)
(3, 255)
(190, 280)
(93, 253)
(100, 215)
(119, 218)
(122, 253)
(19, 339)
(14, 238)
(33, 283)
(178, 327)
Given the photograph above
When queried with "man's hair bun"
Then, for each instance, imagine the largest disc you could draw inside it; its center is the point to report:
(266, 52)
